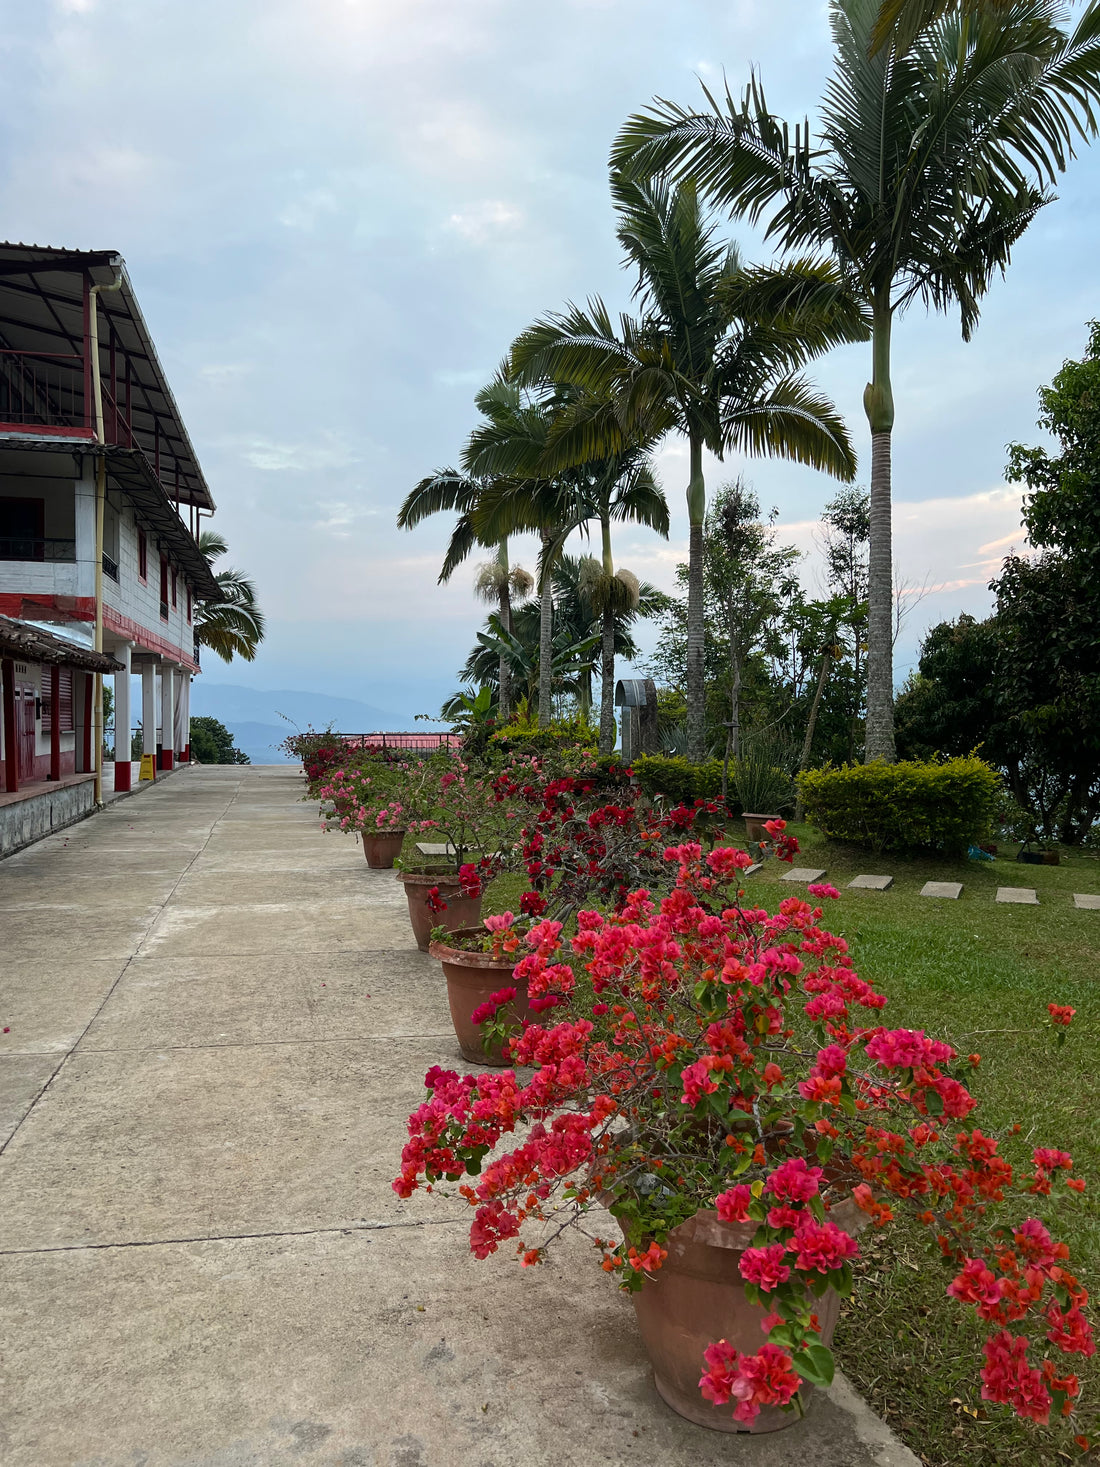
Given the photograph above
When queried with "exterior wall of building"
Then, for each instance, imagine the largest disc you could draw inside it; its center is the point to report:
(55, 590)
(132, 603)
(37, 676)
(29, 820)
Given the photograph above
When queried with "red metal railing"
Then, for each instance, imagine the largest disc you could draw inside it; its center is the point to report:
(401, 740)
(43, 392)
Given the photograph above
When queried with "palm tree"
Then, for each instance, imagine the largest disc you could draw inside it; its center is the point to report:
(712, 356)
(233, 626)
(929, 167)
(899, 22)
(617, 486)
(496, 580)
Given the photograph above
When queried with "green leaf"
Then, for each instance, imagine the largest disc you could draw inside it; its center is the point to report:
(815, 1364)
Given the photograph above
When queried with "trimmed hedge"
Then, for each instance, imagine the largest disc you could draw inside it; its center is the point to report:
(677, 778)
(913, 805)
(528, 737)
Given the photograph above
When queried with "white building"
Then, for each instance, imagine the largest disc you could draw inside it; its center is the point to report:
(101, 497)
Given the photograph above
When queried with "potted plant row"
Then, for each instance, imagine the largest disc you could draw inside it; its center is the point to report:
(715, 1101)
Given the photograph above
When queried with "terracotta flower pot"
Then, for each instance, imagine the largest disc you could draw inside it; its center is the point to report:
(462, 911)
(471, 979)
(697, 1296)
(382, 848)
(754, 826)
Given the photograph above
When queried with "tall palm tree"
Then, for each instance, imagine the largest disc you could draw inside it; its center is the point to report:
(234, 626)
(619, 486)
(930, 165)
(497, 580)
(713, 356)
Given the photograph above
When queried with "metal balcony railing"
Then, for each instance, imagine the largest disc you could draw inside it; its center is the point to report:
(32, 547)
(43, 390)
(110, 567)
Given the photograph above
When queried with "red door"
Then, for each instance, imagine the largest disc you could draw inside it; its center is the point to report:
(24, 731)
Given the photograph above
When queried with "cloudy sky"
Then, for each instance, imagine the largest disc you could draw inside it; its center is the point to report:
(338, 213)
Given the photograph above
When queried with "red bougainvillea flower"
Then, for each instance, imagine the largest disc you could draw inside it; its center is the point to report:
(1060, 1014)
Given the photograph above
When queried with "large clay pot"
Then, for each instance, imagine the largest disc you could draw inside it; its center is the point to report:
(697, 1296)
(383, 848)
(462, 911)
(754, 826)
(471, 978)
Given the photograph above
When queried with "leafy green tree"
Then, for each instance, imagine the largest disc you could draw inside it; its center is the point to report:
(714, 355)
(212, 743)
(929, 166)
(234, 626)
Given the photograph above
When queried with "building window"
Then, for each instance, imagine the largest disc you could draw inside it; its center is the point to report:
(189, 606)
(65, 700)
(173, 590)
(143, 556)
(22, 531)
(163, 589)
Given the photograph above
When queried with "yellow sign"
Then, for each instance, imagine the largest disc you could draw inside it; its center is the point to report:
(146, 768)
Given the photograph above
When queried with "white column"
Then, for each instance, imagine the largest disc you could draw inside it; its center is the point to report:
(149, 708)
(182, 681)
(186, 721)
(122, 718)
(167, 714)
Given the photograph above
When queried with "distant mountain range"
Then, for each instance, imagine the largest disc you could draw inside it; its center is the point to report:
(252, 716)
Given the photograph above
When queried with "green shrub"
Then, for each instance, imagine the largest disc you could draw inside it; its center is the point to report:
(525, 736)
(678, 779)
(913, 805)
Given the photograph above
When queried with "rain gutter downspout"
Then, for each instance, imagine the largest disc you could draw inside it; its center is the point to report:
(100, 502)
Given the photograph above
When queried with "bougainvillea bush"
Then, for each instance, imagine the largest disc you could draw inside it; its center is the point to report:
(695, 1052)
(364, 800)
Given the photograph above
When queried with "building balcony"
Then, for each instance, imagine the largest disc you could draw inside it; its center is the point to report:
(38, 548)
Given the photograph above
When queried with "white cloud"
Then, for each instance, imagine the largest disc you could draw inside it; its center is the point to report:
(481, 222)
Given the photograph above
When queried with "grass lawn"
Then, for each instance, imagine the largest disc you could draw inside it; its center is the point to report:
(981, 975)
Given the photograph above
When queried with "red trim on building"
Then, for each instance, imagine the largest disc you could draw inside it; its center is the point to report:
(89, 699)
(122, 773)
(146, 640)
(45, 606)
(47, 430)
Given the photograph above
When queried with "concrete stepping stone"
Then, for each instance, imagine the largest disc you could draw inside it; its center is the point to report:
(802, 874)
(1018, 896)
(951, 890)
(435, 848)
(872, 883)
(1085, 902)
(753, 869)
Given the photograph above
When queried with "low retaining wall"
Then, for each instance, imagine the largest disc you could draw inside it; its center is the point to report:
(25, 821)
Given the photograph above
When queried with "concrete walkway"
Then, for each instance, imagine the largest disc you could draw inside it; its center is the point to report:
(218, 1023)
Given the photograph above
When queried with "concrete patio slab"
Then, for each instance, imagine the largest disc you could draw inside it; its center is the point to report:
(390, 1347)
(22, 1077)
(949, 890)
(46, 1009)
(872, 883)
(1018, 896)
(190, 1002)
(130, 1146)
(272, 927)
(802, 874)
(1086, 902)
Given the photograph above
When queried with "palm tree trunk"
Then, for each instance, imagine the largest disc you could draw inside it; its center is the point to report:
(878, 401)
(811, 725)
(607, 649)
(504, 675)
(607, 689)
(696, 686)
(546, 644)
